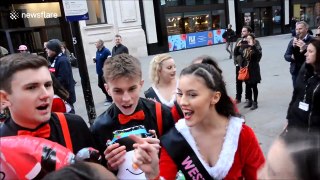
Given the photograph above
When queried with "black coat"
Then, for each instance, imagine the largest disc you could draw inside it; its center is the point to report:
(79, 131)
(254, 68)
(299, 57)
(308, 84)
(108, 122)
(62, 70)
(119, 50)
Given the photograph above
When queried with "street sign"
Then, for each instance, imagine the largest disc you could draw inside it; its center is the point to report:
(75, 10)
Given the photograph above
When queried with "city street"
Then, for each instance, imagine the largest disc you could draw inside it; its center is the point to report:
(275, 89)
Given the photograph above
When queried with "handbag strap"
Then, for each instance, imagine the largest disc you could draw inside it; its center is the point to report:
(247, 64)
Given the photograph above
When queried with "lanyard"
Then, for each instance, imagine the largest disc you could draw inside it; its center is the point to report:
(307, 86)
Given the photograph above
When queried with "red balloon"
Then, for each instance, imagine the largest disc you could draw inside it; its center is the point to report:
(27, 157)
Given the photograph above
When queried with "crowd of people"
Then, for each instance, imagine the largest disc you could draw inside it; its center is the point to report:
(186, 126)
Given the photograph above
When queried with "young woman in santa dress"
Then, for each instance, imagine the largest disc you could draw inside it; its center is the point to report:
(211, 141)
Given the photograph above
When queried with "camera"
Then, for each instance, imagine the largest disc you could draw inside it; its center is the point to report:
(244, 42)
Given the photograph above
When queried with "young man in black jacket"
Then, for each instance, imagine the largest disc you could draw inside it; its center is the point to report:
(126, 115)
(119, 48)
(230, 36)
(26, 90)
(61, 68)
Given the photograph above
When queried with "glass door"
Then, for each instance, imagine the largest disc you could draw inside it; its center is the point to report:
(263, 23)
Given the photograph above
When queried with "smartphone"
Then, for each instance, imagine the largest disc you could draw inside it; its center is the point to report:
(122, 136)
(244, 42)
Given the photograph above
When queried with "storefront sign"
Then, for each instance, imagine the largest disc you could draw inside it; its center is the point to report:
(177, 42)
(75, 10)
(199, 39)
(217, 36)
(191, 40)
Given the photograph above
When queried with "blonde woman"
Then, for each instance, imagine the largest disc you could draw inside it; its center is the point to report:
(164, 82)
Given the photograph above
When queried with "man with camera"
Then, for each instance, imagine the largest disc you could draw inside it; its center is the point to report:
(241, 44)
(296, 49)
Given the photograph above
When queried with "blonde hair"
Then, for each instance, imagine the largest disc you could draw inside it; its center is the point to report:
(156, 65)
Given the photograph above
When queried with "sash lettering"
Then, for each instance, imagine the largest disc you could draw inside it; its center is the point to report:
(193, 171)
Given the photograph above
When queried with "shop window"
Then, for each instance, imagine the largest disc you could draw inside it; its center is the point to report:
(197, 22)
(308, 12)
(258, 1)
(174, 24)
(202, 2)
(172, 2)
(218, 19)
(97, 12)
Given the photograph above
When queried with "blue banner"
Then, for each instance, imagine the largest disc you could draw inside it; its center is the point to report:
(177, 42)
(217, 36)
(199, 39)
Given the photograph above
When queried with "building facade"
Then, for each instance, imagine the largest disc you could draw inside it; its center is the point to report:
(28, 22)
(183, 24)
(149, 26)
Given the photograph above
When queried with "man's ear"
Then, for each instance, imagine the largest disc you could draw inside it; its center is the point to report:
(4, 100)
(215, 98)
(141, 82)
(106, 87)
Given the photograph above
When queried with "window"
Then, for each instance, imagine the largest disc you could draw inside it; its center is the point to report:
(191, 22)
(197, 22)
(174, 24)
(97, 12)
(172, 2)
(218, 19)
(202, 2)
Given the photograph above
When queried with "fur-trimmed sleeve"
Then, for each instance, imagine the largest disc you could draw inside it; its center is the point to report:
(251, 153)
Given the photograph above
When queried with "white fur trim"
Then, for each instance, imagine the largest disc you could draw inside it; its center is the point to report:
(163, 100)
(229, 147)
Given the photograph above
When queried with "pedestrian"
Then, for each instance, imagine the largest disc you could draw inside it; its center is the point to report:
(59, 102)
(29, 101)
(211, 142)
(318, 32)
(251, 60)
(213, 62)
(293, 26)
(164, 83)
(230, 36)
(65, 50)
(238, 60)
(23, 49)
(124, 82)
(3, 52)
(61, 68)
(72, 59)
(119, 48)
(101, 55)
(304, 108)
(296, 49)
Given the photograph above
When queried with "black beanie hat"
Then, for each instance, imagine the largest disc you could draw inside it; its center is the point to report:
(54, 45)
